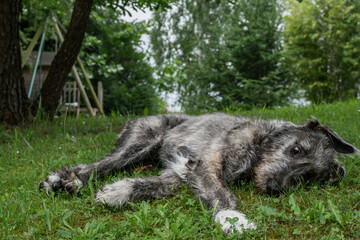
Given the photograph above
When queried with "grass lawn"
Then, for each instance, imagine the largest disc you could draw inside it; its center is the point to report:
(28, 154)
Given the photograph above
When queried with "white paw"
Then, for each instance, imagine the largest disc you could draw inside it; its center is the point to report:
(116, 194)
(242, 223)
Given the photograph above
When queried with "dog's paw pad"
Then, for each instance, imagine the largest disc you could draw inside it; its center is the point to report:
(69, 187)
(233, 220)
(52, 183)
(61, 180)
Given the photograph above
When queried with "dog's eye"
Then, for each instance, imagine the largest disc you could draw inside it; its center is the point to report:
(296, 150)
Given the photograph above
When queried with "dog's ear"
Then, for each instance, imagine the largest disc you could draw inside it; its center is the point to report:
(339, 144)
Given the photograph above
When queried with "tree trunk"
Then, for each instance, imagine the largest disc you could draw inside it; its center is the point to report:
(65, 58)
(13, 100)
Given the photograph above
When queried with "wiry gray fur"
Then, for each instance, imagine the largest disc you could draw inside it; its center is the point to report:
(207, 152)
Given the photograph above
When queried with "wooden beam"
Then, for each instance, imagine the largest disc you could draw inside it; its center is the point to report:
(82, 91)
(32, 44)
(97, 103)
(100, 93)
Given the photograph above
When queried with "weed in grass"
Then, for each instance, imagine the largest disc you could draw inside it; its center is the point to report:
(294, 205)
(91, 230)
(90, 184)
(340, 217)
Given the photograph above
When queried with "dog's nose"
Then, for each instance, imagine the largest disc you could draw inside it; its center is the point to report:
(273, 188)
(338, 174)
(341, 171)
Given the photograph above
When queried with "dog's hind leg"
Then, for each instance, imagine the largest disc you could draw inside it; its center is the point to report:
(129, 189)
(139, 140)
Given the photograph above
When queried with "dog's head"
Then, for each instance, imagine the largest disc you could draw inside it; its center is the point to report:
(292, 155)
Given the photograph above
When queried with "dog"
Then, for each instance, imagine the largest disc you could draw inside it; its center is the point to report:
(208, 152)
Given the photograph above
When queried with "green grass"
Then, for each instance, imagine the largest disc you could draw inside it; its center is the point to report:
(28, 154)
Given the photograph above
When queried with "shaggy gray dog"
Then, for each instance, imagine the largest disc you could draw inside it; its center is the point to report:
(207, 152)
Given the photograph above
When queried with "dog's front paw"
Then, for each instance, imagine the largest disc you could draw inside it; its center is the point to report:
(116, 194)
(231, 219)
(61, 179)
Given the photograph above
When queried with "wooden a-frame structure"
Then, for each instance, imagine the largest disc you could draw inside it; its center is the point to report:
(41, 31)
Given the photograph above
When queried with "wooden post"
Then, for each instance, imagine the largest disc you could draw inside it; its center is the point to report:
(76, 75)
(100, 93)
(74, 93)
(97, 103)
(32, 45)
(82, 91)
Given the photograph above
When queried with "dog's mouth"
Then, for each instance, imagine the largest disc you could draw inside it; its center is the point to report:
(275, 187)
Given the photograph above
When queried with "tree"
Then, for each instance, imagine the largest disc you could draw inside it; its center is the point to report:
(255, 43)
(14, 103)
(221, 54)
(13, 99)
(65, 57)
(322, 47)
(127, 78)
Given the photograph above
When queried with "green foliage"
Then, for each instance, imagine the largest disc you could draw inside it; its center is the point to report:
(35, 13)
(113, 54)
(217, 53)
(137, 5)
(255, 44)
(322, 47)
